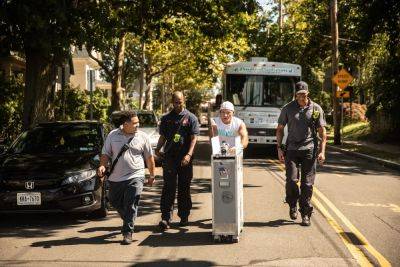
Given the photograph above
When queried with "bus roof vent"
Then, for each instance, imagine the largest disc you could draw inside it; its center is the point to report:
(259, 59)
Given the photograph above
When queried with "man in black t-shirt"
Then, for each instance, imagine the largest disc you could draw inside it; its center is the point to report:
(178, 134)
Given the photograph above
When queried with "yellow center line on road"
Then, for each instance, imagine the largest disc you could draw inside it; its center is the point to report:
(357, 253)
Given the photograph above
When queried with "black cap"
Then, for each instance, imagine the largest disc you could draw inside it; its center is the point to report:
(301, 87)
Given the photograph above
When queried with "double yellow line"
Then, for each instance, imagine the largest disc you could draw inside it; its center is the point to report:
(358, 251)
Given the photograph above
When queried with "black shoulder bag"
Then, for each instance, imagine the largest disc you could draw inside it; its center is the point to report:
(124, 148)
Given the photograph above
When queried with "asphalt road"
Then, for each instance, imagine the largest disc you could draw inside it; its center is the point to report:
(356, 222)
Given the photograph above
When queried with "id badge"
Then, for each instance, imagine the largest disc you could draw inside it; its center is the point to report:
(177, 137)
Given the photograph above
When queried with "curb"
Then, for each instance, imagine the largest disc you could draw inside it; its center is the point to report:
(384, 162)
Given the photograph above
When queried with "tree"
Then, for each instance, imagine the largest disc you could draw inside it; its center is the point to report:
(43, 31)
(147, 21)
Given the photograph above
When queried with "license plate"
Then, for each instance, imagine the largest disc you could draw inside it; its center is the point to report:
(33, 198)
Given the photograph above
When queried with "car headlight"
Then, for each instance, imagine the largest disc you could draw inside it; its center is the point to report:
(79, 177)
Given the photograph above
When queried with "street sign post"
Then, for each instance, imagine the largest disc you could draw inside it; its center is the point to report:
(343, 78)
(342, 94)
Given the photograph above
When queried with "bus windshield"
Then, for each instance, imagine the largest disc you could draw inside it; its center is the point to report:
(258, 90)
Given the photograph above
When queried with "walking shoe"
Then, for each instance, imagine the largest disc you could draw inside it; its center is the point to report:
(164, 225)
(305, 220)
(127, 240)
(184, 222)
(293, 213)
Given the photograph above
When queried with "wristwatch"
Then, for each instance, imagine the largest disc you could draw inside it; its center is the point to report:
(281, 146)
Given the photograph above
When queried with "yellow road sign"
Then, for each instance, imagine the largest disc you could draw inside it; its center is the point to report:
(342, 79)
(344, 94)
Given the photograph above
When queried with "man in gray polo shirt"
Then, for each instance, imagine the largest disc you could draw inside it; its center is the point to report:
(305, 120)
(127, 177)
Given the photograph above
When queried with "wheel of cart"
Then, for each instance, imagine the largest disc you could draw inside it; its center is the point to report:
(217, 238)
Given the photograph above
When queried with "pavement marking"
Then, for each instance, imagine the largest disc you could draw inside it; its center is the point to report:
(358, 254)
(393, 207)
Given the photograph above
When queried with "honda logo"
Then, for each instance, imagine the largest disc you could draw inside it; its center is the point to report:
(29, 185)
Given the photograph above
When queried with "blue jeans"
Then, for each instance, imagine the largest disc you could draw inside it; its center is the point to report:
(124, 197)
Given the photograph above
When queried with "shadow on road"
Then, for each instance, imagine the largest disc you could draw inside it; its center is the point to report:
(72, 241)
(275, 223)
(176, 263)
(40, 225)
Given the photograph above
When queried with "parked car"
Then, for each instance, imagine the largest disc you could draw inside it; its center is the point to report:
(149, 124)
(52, 167)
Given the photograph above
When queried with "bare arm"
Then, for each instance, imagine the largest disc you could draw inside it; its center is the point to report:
(279, 137)
(151, 166)
(244, 136)
(193, 140)
(322, 135)
(279, 134)
(104, 159)
(213, 131)
(186, 159)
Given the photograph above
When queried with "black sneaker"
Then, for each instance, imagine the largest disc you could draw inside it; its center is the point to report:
(164, 225)
(305, 220)
(127, 240)
(184, 222)
(293, 213)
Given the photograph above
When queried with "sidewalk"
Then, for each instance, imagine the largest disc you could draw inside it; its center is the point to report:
(385, 154)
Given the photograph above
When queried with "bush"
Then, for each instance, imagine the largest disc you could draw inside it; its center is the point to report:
(357, 113)
(77, 105)
(11, 107)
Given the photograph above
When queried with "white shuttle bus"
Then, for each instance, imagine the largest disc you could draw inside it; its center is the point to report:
(259, 89)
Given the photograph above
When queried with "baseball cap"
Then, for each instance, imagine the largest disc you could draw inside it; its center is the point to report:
(227, 105)
(301, 87)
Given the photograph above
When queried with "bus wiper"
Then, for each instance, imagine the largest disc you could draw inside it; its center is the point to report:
(251, 102)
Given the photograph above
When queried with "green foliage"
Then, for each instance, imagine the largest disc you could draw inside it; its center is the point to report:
(193, 100)
(11, 103)
(77, 103)
(101, 106)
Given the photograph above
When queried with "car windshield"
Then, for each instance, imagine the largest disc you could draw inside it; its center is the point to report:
(67, 138)
(147, 120)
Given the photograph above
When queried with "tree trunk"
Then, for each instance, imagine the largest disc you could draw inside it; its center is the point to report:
(116, 89)
(148, 101)
(38, 104)
(148, 96)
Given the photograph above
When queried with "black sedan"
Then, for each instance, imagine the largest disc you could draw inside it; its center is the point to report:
(52, 167)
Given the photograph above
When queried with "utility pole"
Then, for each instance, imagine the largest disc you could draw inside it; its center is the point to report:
(141, 81)
(280, 16)
(91, 86)
(63, 91)
(335, 60)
